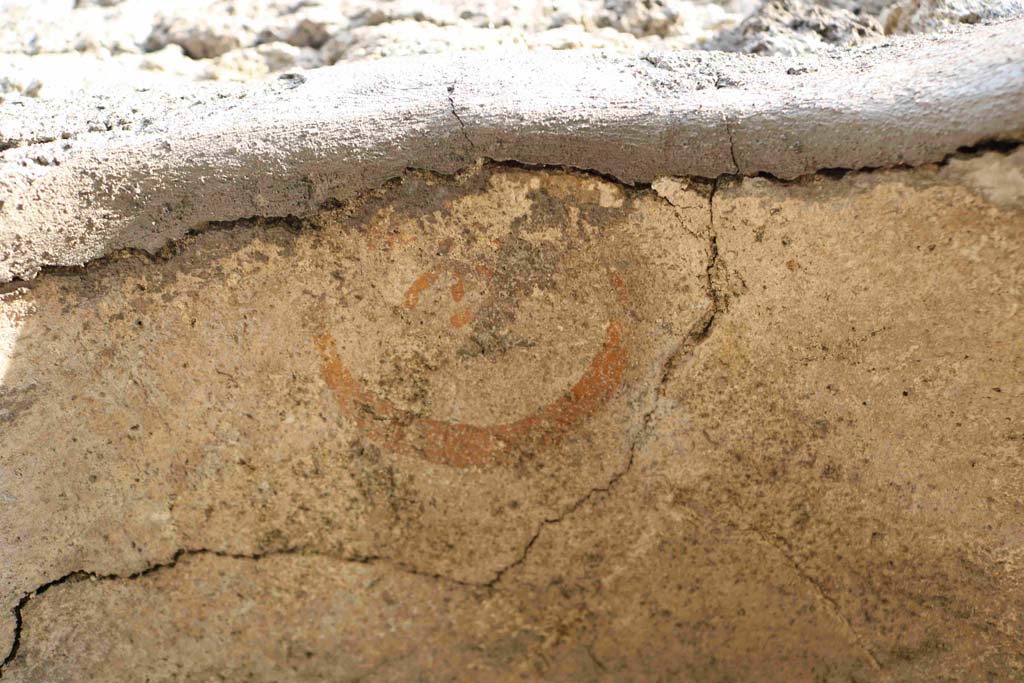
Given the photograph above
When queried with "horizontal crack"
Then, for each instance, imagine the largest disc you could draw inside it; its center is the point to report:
(183, 553)
(1000, 146)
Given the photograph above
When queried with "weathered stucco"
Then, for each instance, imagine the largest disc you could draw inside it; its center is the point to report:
(532, 424)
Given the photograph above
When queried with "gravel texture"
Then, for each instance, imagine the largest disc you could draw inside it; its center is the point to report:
(52, 48)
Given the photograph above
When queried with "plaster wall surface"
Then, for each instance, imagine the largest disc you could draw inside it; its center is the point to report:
(524, 424)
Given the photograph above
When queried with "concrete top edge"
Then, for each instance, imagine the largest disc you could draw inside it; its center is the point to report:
(82, 178)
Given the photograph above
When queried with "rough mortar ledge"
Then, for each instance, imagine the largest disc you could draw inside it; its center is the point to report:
(140, 169)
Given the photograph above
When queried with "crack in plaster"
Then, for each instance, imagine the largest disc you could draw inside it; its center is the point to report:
(732, 147)
(693, 339)
(183, 553)
(1001, 146)
(689, 342)
(455, 113)
(780, 546)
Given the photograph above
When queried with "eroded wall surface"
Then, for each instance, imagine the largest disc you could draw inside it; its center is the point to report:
(532, 424)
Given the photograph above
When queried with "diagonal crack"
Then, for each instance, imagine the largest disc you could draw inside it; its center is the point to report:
(777, 543)
(780, 546)
(575, 505)
(455, 113)
(694, 337)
